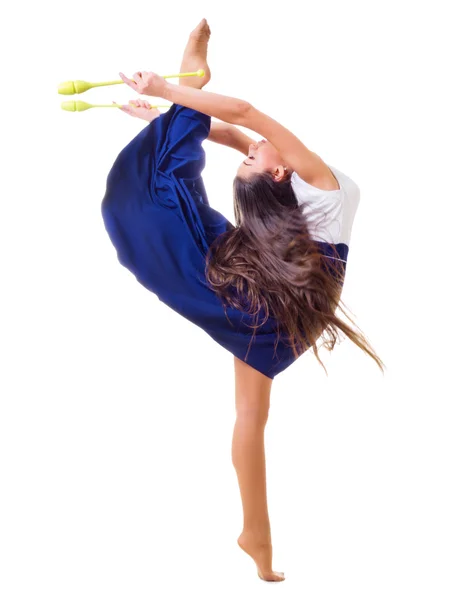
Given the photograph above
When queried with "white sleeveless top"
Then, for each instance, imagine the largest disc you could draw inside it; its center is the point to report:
(330, 214)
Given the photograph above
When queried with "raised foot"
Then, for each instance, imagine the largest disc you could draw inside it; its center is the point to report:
(195, 56)
(262, 554)
(202, 32)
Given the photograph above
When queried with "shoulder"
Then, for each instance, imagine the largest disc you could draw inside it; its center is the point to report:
(326, 182)
(321, 186)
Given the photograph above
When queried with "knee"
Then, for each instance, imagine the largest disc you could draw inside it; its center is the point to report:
(252, 415)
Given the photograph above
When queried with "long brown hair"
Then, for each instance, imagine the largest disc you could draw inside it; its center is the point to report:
(270, 263)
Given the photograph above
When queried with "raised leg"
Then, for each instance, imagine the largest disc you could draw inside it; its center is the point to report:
(248, 452)
(195, 56)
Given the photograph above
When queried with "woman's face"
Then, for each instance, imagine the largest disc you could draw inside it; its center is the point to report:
(262, 156)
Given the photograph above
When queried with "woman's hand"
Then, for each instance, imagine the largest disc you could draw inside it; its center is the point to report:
(141, 109)
(147, 83)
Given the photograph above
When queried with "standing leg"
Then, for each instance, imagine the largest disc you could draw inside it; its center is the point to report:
(248, 452)
(195, 56)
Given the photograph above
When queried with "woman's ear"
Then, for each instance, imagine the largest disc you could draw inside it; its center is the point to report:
(280, 173)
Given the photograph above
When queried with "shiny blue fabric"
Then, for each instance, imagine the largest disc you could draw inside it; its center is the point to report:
(158, 217)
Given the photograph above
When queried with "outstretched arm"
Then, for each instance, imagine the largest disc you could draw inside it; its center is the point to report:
(295, 154)
(229, 135)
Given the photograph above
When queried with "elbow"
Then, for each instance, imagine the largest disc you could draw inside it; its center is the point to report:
(243, 111)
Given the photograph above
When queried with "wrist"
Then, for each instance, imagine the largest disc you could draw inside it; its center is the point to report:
(167, 91)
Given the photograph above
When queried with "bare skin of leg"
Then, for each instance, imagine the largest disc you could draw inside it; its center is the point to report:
(252, 391)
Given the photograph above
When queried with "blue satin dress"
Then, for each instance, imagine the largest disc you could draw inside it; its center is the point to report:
(158, 217)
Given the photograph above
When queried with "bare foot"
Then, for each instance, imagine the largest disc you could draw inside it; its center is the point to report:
(262, 554)
(195, 55)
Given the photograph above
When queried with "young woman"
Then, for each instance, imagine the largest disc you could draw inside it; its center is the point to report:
(265, 289)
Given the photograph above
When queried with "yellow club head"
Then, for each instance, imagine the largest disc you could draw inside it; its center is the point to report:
(75, 105)
(201, 73)
(73, 87)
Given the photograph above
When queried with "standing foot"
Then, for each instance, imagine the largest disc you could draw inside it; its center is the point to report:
(195, 56)
(262, 553)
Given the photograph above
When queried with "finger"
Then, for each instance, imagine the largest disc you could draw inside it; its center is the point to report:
(128, 81)
(138, 77)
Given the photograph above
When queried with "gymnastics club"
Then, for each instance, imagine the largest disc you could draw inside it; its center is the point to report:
(79, 106)
(78, 87)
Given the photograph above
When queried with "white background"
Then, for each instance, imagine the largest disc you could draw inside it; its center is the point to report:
(117, 414)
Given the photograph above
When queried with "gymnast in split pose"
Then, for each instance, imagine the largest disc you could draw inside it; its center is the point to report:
(267, 288)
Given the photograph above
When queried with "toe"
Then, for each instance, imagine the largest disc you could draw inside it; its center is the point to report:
(201, 30)
(275, 576)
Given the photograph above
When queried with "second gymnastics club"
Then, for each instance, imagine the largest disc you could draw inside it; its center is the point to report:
(79, 106)
(78, 87)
